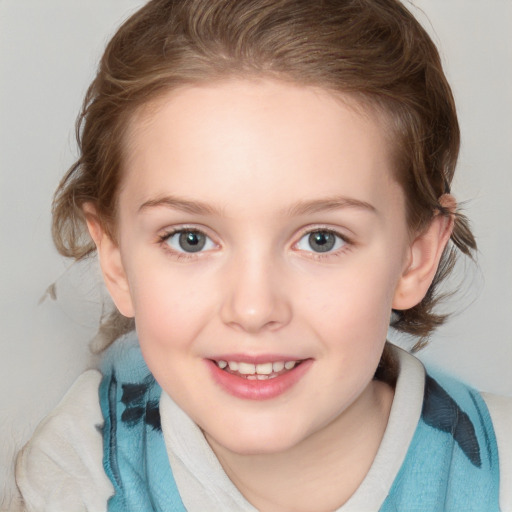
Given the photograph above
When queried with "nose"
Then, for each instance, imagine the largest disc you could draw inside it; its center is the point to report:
(255, 297)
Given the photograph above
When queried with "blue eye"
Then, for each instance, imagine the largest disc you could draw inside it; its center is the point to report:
(321, 240)
(189, 240)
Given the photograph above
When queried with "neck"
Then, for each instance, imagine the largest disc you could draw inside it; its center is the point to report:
(323, 470)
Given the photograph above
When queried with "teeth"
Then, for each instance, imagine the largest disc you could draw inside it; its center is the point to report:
(264, 368)
(277, 367)
(246, 368)
(260, 371)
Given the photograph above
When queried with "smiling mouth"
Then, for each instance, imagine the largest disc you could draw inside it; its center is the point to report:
(260, 371)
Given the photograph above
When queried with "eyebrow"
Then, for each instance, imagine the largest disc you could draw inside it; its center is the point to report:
(298, 208)
(185, 205)
(328, 204)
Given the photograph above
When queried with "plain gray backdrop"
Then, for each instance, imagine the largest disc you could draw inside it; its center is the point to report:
(48, 53)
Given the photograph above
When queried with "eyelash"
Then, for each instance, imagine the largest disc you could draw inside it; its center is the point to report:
(183, 255)
(180, 255)
(347, 243)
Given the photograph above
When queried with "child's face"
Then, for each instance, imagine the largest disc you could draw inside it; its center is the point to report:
(259, 222)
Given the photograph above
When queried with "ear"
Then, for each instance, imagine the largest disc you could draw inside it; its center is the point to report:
(111, 262)
(423, 258)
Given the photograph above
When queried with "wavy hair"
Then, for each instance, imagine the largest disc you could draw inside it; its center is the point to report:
(374, 50)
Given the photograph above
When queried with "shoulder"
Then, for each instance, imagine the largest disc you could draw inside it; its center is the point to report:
(480, 425)
(500, 409)
(60, 468)
(453, 455)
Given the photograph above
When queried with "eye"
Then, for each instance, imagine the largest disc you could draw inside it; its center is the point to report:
(320, 240)
(188, 240)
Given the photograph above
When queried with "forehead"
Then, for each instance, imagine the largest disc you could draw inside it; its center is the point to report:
(242, 139)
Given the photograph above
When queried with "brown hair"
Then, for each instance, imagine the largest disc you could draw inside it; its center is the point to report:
(374, 50)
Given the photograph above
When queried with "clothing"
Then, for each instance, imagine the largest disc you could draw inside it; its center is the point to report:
(148, 425)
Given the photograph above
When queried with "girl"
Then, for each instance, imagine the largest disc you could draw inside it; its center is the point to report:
(266, 184)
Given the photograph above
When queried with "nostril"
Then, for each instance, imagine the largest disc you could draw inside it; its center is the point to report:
(253, 305)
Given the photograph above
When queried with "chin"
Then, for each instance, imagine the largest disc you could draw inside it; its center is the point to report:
(258, 441)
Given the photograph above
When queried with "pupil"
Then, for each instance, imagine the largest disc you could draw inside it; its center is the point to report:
(321, 241)
(192, 241)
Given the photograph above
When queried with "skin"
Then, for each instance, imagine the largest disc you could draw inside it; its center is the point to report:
(255, 166)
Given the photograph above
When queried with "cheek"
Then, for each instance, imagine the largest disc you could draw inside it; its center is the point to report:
(358, 296)
(170, 306)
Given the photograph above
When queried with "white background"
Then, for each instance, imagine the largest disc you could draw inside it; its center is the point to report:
(48, 52)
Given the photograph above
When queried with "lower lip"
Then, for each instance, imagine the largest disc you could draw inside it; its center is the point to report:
(258, 389)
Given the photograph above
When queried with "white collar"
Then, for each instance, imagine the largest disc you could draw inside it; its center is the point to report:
(204, 485)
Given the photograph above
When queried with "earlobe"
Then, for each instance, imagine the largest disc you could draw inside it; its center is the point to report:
(423, 259)
(111, 263)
